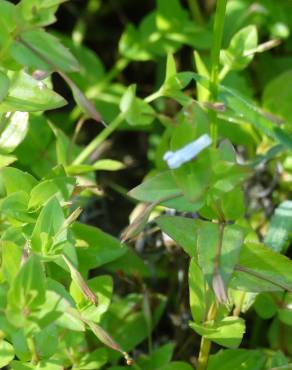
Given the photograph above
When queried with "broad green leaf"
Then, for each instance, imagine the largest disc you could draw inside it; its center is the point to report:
(49, 232)
(265, 306)
(29, 95)
(162, 188)
(13, 180)
(158, 359)
(96, 247)
(228, 332)
(277, 95)
(6, 353)
(241, 49)
(181, 229)
(280, 227)
(15, 206)
(27, 291)
(39, 49)
(60, 187)
(4, 86)
(240, 359)
(261, 269)
(15, 130)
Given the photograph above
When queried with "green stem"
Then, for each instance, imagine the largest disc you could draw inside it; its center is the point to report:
(205, 346)
(204, 353)
(92, 146)
(196, 11)
(215, 58)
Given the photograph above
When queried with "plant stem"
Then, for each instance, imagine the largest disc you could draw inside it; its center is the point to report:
(196, 11)
(92, 146)
(215, 58)
(205, 342)
(204, 353)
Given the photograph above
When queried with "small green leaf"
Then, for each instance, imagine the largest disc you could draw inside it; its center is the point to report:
(49, 234)
(45, 52)
(241, 49)
(60, 187)
(228, 332)
(161, 187)
(6, 353)
(29, 95)
(15, 130)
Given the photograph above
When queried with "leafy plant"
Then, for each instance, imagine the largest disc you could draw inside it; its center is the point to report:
(76, 297)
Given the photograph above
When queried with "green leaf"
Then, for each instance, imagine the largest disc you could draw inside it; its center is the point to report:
(29, 95)
(27, 291)
(261, 269)
(136, 111)
(6, 353)
(94, 360)
(100, 165)
(170, 16)
(11, 257)
(228, 332)
(38, 12)
(102, 286)
(280, 227)
(13, 180)
(4, 86)
(158, 359)
(39, 49)
(277, 95)
(252, 114)
(209, 237)
(161, 187)
(15, 130)
(181, 229)
(98, 248)
(198, 292)
(241, 49)
(60, 187)
(49, 233)
(6, 160)
(239, 359)
(46, 342)
(265, 306)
